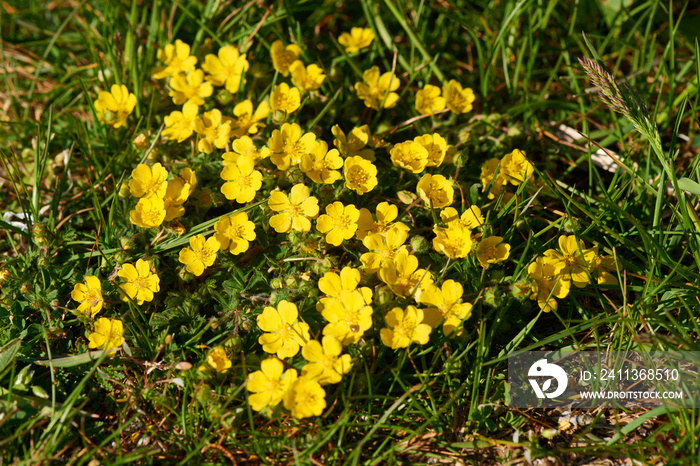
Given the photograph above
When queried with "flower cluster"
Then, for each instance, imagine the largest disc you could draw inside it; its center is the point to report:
(514, 169)
(160, 199)
(552, 274)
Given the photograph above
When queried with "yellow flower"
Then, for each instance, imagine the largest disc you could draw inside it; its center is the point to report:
(383, 248)
(269, 384)
(492, 250)
(285, 99)
(283, 57)
(305, 398)
(547, 283)
(403, 275)
(177, 60)
(435, 190)
(149, 212)
(354, 143)
(288, 146)
(492, 178)
(235, 232)
(436, 147)
(332, 284)
(339, 222)
(405, 327)
(107, 334)
(385, 213)
(284, 333)
(244, 147)
(226, 68)
(359, 38)
(246, 120)
(200, 255)
(177, 193)
(115, 106)
(295, 212)
(574, 260)
(242, 180)
(376, 90)
(516, 167)
(89, 295)
(139, 283)
(218, 360)
(180, 125)
(190, 88)
(455, 242)
(446, 305)
(326, 365)
(470, 218)
(429, 101)
(458, 100)
(321, 164)
(410, 156)
(306, 78)
(148, 181)
(360, 174)
(349, 316)
(212, 131)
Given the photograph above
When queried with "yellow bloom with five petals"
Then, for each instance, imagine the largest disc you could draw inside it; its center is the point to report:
(360, 174)
(446, 305)
(107, 334)
(295, 211)
(326, 365)
(218, 359)
(242, 180)
(307, 78)
(269, 384)
(457, 99)
(179, 125)
(410, 156)
(177, 60)
(405, 327)
(235, 232)
(338, 223)
(321, 164)
(89, 295)
(492, 250)
(139, 283)
(377, 91)
(284, 333)
(190, 88)
(226, 68)
(305, 398)
(283, 57)
(285, 99)
(115, 106)
(148, 181)
(429, 101)
(149, 212)
(200, 254)
(358, 38)
(435, 190)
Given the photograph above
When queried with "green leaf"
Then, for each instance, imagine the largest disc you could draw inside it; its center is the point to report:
(8, 352)
(690, 186)
(71, 361)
